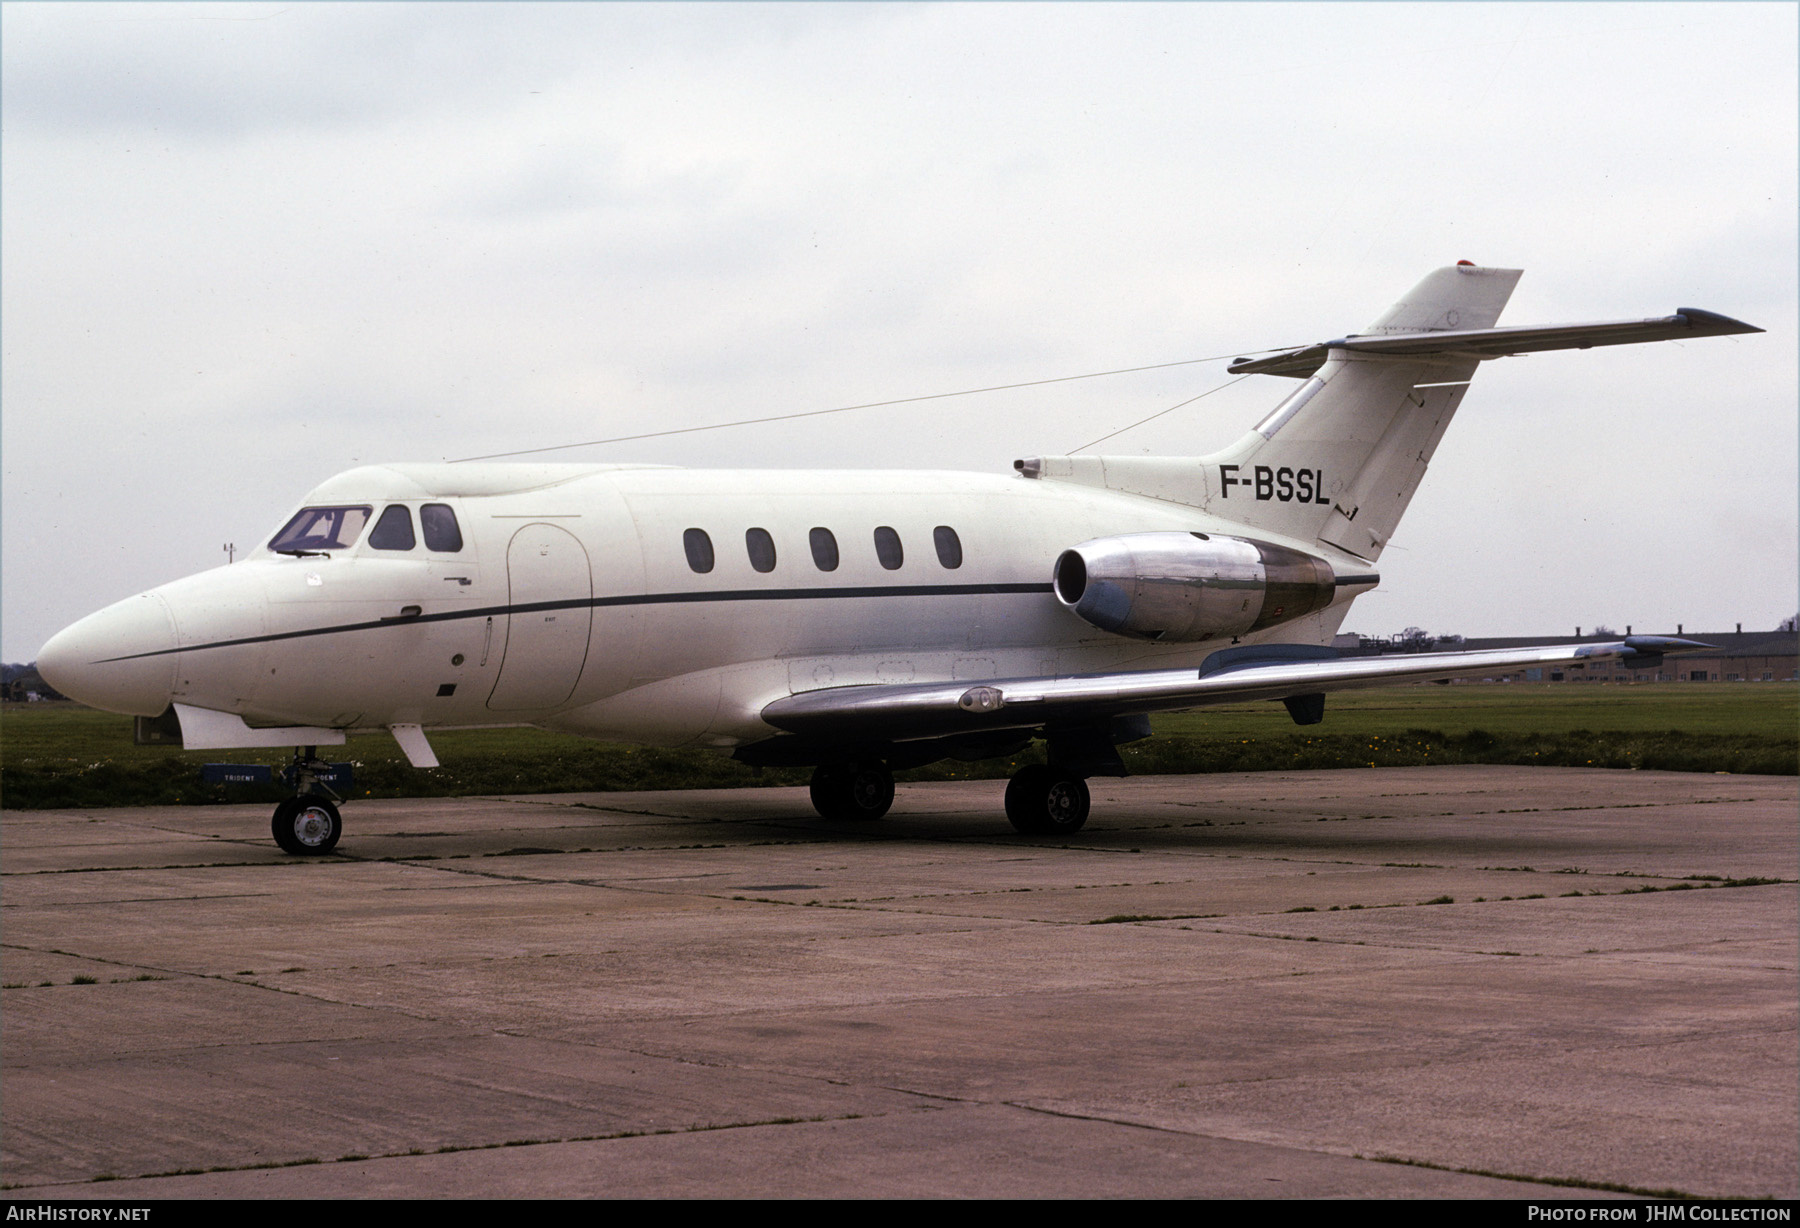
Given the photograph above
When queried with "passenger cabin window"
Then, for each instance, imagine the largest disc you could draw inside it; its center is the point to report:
(887, 548)
(761, 548)
(394, 530)
(317, 529)
(949, 546)
(824, 548)
(441, 531)
(699, 550)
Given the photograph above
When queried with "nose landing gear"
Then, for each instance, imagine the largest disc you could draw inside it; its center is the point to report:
(307, 824)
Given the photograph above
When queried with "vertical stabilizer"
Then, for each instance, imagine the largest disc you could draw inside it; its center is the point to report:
(1339, 459)
(1462, 296)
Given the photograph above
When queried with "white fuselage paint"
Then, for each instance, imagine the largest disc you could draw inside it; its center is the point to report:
(572, 603)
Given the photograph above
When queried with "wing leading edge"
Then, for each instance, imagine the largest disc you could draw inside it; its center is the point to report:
(906, 712)
(1485, 343)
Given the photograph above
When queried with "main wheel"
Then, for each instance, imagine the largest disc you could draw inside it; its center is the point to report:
(306, 826)
(827, 788)
(1066, 804)
(852, 790)
(1042, 800)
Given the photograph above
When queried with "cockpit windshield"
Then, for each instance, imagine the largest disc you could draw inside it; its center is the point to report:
(317, 529)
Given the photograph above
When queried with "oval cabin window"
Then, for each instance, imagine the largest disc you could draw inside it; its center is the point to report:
(949, 546)
(824, 549)
(761, 548)
(699, 550)
(887, 548)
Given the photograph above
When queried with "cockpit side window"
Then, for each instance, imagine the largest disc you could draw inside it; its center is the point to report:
(321, 528)
(441, 531)
(394, 530)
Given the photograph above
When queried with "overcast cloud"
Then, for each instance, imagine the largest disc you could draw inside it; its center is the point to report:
(248, 246)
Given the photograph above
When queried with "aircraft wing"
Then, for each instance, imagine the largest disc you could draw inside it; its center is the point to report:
(930, 710)
(1480, 343)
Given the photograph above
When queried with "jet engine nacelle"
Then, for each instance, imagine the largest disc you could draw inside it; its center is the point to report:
(1190, 586)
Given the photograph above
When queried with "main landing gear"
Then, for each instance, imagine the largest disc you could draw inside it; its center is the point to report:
(1040, 800)
(1046, 801)
(307, 824)
(859, 790)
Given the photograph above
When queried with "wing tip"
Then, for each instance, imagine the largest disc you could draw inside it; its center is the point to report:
(1712, 324)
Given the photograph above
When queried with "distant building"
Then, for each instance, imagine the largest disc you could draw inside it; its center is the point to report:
(23, 684)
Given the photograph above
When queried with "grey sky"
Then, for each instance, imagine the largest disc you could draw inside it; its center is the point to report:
(247, 246)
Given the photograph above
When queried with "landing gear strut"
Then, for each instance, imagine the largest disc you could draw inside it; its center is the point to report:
(862, 790)
(307, 824)
(1043, 800)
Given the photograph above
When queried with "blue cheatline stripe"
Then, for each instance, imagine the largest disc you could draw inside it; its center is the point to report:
(577, 603)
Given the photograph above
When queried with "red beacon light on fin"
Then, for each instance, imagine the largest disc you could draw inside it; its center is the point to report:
(1465, 264)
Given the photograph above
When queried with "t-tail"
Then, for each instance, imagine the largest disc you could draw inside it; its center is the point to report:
(1338, 459)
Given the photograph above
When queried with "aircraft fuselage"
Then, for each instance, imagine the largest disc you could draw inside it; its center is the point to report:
(575, 604)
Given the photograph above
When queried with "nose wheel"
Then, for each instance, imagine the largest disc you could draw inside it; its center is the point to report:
(306, 826)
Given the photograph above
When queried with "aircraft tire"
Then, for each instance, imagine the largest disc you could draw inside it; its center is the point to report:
(306, 826)
(1042, 800)
(828, 789)
(1026, 796)
(852, 790)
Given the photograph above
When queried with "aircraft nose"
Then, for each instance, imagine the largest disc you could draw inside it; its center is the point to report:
(120, 659)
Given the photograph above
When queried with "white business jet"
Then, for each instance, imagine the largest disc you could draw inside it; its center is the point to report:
(855, 622)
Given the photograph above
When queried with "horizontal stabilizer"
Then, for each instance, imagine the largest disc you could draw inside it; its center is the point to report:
(1483, 343)
(909, 711)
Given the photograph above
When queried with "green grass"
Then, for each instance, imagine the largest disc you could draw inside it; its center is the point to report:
(66, 755)
(67, 734)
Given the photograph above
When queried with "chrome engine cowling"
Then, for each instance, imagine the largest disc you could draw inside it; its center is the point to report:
(1190, 586)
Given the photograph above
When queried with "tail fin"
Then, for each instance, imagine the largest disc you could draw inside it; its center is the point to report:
(1338, 460)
